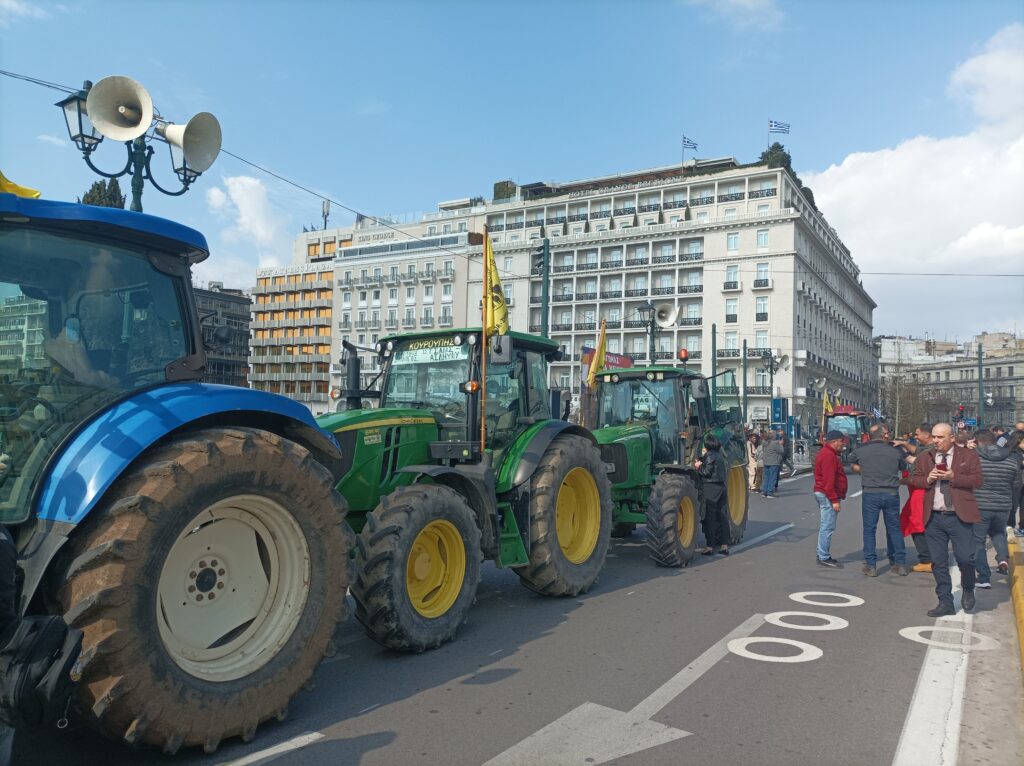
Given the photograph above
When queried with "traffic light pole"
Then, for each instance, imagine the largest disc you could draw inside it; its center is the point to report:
(545, 287)
(981, 390)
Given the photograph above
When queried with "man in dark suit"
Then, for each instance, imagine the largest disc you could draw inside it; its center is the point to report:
(949, 475)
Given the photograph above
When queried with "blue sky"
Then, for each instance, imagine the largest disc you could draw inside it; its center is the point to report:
(390, 107)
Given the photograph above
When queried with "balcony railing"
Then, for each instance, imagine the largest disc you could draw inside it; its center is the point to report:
(727, 390)
(563, 269)
(391, 324)
(611, 264)
(611, 293)
(613, 324)
(674, 205)
(535, 328)
(761, 284)
(561, 328)
(637, 261)
(493, 227)
(445, 320)
(446, 274)
(586, 296)
(728, 353)
(731, 284)
(577, 217)
(663, 291)
(664, 259)
(759, 390)
(731, 318)
(601, 214)
(695, 354)
(588, 266)
(690, 289)
(692, 256)
(534, 223)
(636, 292)
(634, 324)
(758, 351)
(534, 299)
(409, 276)
(427, 321)
(514, 225)
(702, 201)
(581, 326)
(762, 193)
(649, 208)
(625, 211)
(690, 321)
(761, 316)
(556, 219)
(664, 355)
(409, 322)
(562, 298)
(734, 197)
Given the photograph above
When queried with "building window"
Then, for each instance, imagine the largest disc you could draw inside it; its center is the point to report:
(410, 293)
(761, 304)
(462, 225)
(763, 271)
(762, 238)
(431, 230)
(732, 340)
(731, 308)
(761, 339)
(393, 295)
(730, 212)
(446, 229)
(508, 263)
(693, 343)
(732, 273)
(428, 293)
(732, 241)
(763, 208)
(702, 216)
(446, 292)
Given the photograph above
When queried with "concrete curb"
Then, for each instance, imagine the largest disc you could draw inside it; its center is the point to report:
(1017, 590)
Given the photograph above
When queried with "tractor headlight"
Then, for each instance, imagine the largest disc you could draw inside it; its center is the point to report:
(379, 347)
(615, 377)
(472, 339)
(650, 376)
(391, 345)
(457, 340)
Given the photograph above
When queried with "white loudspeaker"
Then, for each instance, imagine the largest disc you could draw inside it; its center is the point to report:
(665, 315)
(119, 108)
(837, 392)
(784, 362)
(819, 384)
(199, 140)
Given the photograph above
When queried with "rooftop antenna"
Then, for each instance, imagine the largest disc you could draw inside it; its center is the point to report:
(325, 211)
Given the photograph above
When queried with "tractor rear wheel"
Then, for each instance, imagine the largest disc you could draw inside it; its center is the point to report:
(208, 586)
(672, 520)
(738, 499)
(570, 519)
(417, 567)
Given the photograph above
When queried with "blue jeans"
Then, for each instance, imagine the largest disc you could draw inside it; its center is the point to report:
(992, 524)
(771, 479)
(873, 504)
(826, 527)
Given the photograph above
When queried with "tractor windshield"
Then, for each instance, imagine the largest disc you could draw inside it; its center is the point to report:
(650, 403)
(425, 374)
(82, 323)
(851, 425)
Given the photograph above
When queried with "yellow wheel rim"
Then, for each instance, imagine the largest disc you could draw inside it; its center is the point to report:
(436, 568)
(578, 515)
(737, 495)
(686, 522)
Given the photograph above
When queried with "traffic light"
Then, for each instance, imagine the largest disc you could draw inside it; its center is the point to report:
(960, 410)
(538, 257)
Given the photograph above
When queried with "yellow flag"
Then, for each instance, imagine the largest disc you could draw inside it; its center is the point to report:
(495, 308)
(597, 362)
(826, 403)
(9, 187)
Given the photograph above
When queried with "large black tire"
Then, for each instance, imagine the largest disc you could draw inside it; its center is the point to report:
(570, 473)
(673, 520)
(738, 501)
(427, 526)
(623, 529)
(124, 577)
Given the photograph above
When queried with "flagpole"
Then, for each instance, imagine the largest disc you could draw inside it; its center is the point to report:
(485, 287)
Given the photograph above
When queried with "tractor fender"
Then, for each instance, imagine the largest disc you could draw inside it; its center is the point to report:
(525, 454)
(475, 482)
(92, 459)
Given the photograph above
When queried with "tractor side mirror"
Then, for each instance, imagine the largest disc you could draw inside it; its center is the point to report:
(500, 350)
(699, 388)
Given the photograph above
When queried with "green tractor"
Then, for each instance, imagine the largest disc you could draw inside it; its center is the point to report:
(651, 422)
(428, 503)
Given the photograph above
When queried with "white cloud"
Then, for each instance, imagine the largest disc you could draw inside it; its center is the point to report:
(257, 233)
(943, 204)
(46, 138)
(15, 10)
(744, 14)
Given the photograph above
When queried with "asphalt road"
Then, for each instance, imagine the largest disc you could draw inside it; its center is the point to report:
(641, 671)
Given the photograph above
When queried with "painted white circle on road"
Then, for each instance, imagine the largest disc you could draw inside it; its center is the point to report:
(807, 652)
(983, 642)
(805, 597)
(830, 622)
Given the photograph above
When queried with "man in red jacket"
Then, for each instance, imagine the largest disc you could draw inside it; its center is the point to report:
(829, 491)
(949, 475)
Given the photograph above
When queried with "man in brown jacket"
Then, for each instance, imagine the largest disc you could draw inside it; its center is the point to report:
(949, 475)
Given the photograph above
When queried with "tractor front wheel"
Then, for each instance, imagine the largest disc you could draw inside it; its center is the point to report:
(738, 499)
(418, 567)
(672, 520)
(570, 519)
(207, 586)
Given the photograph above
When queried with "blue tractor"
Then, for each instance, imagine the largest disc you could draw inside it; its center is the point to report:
(191, 531)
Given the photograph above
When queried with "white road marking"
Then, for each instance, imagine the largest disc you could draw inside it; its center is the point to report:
(631, 593)
(368, 709)
(267, 755)
(804, 597)
(759, 538)
(593, 734)
(496, 651)
(831, 622)
(858, 493)
(808, 653)
(931, 730)
(984, 642)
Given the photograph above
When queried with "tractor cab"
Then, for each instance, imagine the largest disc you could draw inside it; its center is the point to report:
(84, 322)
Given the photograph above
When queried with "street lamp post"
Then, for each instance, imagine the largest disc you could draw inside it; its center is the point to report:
(120, 109)
(773, 363)
(648, 313)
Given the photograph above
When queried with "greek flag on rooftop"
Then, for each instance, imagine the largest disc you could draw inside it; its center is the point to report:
(774, 126)
(689, 143)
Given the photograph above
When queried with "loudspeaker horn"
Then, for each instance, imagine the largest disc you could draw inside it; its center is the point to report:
(199, 140)
(666, 314)
(819, 384)
(119, 108)
(784, 362)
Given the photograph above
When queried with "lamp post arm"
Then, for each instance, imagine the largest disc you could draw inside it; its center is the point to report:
(87, 156)
(152, 180)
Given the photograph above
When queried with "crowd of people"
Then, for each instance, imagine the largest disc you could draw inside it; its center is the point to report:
(963, 489)
(768, 455)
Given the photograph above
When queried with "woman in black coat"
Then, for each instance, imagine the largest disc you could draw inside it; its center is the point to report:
(712, 469)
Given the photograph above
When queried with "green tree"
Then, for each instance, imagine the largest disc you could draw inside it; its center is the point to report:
(777, 157)
(104, 194)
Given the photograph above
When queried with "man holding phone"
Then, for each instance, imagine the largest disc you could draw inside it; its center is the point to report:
(949, 475)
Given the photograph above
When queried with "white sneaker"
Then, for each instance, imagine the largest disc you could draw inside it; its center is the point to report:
(986, 585)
